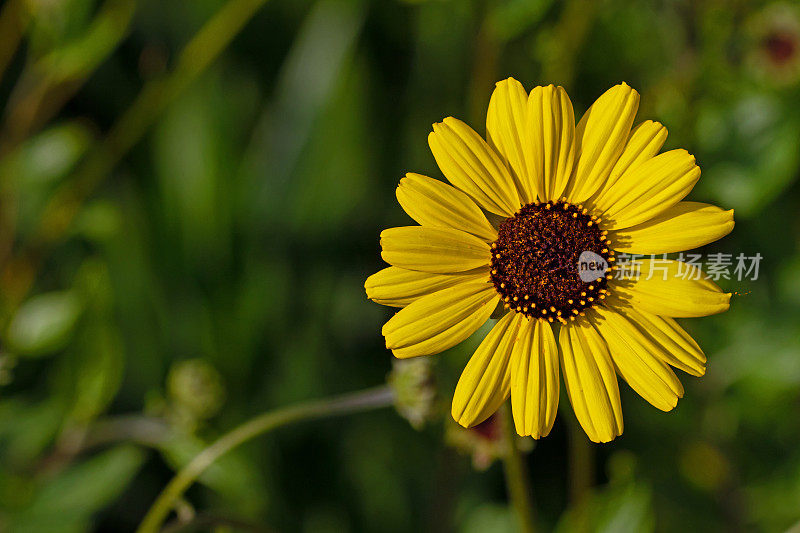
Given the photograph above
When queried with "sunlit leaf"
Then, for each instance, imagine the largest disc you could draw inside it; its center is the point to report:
(43, 324)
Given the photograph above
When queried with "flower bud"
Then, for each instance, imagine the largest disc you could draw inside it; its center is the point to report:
(415, 389)
(195, 389)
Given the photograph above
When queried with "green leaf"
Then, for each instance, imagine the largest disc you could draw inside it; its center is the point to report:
(489, 518)
(47, 157)
(27, 429)
(615, 508)
(67, 502)
(44, 324)
(38, 165)
(99, 365)
(82, 55)
(89, 373)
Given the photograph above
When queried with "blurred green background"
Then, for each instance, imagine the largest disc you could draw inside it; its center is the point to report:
(185, 230)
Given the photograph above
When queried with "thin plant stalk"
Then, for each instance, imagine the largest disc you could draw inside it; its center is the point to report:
(517, 479)
(581, 463)
(48, 82)
(149, 104)
(356, 402)
(13, 20)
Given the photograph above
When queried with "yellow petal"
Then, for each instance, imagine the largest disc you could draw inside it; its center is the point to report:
(437, 250)
(645, 142)
(486, 381)
(552, 127)
(590, 380)
(440, 320)
(534, 379)
(684, 226)
(436, 204)
(672, 290)
(647, 190)
(473, 166)
(675, 347)
(506, 123)
(600, 138)
(399, 287)
(636, 359)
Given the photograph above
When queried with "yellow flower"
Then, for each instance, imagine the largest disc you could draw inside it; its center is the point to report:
(526, 207)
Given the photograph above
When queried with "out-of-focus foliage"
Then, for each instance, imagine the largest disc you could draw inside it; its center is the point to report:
(217, 270)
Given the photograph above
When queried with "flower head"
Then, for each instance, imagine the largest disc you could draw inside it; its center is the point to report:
(532, 225)
(774, 52)
(485, 442)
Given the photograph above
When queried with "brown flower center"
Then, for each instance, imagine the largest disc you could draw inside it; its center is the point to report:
(551, 260)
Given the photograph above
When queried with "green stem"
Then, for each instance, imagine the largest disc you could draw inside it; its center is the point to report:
(13, 19)
(581, 464)
(517, 481)
(346, 404)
